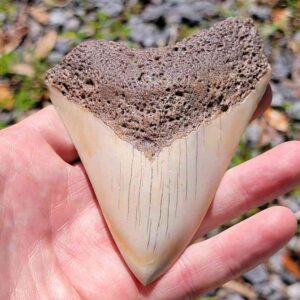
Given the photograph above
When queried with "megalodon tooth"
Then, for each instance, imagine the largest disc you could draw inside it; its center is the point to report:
(156, 129)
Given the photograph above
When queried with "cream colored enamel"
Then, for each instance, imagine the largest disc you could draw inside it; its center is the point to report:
(153, 208)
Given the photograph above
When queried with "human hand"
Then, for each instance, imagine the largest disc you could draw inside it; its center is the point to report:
(54, 243)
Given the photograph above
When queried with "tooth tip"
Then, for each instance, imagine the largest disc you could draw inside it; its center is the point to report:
(147, 274)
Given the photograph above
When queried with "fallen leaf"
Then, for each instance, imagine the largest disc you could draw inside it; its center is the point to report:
(291, 260)
(6, 96)
(277, 119)
(241, 288)
(23, 69)
(45, 96)
(281, 17)
(39, 14)
(45, 44)
(10, 39)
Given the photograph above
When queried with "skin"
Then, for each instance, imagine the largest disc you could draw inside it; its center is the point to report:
(54, 243)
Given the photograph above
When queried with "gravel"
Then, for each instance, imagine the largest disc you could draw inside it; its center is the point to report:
(111, 8)
(35, 30)
(72, 24)
(55, 57)
(57, 17)
(147, 34)
(260, 12)
(63, 46)
(257, 275)
(253, 134)
(294, 291)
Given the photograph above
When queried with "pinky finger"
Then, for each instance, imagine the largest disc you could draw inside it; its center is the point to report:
(209, 264)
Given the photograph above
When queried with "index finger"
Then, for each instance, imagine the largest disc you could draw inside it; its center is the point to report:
(264, 102)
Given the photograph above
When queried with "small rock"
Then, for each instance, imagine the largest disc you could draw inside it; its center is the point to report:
(211, 293)
(263, 289)
(6, 117)
(260, 12)
(111, 8)
(57, 17)
(277, 139)
(35, 30)
(253, 133)
(279, 69)
(275, 262)
(206, 8)
(294, 243)
(282, 65)
(277, 99)
(79, 12)
(20, 115)
(87, 31)
(55, 57)
(277, 296)
(296, 37)
(146, 34)
(190, 13)
(296, 69)
(293, 291)
(234, 297)
(2, 17)
(257, 275)
(292, 202)
(276, 282)
(72, 24)
(92, 16)
(288, 277)
(152, 13)
(62, 46)
(284, 93)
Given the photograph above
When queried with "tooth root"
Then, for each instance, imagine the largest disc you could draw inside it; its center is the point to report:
(154, 207)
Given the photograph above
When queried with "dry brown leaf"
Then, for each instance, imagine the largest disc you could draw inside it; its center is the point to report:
(277, 119)
(240, 288)
(45, 44)
(6, 96)
(11, 39)
(39, 14)
(281, 17)
(23, 69)
(290, 264)
(45, 96)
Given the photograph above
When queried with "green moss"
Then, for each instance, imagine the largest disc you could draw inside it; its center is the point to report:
(186, 30)
(109, 29)
(6, 62)
(8, 8)
(2, 124)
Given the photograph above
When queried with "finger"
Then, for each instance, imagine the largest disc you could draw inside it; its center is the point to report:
(254, 183)
(264, 102)
(47, 124)
(209, 264)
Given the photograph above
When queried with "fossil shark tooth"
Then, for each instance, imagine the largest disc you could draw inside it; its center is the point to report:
(156, 130)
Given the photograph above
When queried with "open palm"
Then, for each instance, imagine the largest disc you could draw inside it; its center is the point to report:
(54, 243)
